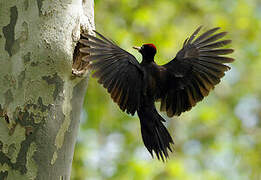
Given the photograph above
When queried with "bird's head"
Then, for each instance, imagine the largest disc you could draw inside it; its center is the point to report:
(148, 51)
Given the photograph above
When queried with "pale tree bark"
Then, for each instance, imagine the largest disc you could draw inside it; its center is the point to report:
(40, 102)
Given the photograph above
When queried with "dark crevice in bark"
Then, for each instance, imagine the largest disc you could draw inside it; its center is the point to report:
(7, 119)
(43, 107)
(57, 81)
(20, 164)
(27, 57)
(39, 5)
(9, 31)
(5, 116)
(25, 119)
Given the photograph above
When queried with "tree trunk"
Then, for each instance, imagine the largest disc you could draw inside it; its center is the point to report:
(40, 102)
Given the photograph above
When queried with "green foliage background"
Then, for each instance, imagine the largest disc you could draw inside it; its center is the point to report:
(219, 138)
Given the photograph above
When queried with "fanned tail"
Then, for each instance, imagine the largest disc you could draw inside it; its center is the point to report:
(154, 134)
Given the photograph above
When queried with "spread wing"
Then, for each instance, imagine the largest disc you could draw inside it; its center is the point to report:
(195, 70)
(116, 69)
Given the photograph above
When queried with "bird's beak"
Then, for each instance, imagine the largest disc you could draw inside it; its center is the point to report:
(137, 48)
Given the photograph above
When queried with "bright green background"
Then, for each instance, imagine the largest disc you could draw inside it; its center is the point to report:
(218, 139)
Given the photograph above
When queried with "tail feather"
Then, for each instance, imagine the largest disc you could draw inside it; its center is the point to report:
(154, 134)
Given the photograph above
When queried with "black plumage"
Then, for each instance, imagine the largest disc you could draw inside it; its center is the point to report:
(178, 85)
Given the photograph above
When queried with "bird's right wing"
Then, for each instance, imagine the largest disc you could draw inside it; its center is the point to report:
(117, 70)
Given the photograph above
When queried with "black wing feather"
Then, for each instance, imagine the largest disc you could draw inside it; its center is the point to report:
(195, 70)
(117, 70)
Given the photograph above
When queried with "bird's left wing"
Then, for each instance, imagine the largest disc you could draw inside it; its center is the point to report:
(117, 70)
(195, 70)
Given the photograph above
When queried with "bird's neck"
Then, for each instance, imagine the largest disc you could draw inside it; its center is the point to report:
(147, 59)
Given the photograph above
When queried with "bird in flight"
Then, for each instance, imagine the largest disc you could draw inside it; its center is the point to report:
(178, 84)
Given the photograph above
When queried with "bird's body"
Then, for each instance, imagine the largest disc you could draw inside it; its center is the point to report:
(151, 77)
(178, 85)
